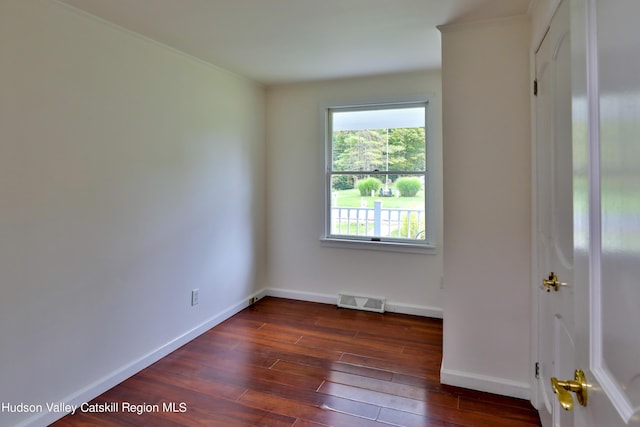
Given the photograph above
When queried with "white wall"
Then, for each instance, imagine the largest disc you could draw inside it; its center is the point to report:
(129, 175)
(298, 266)
(487, 206)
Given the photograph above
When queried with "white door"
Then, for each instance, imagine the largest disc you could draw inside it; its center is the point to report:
(554, 200)
(606, 141)
(593, 323)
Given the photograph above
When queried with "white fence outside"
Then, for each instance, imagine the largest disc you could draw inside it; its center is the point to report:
(378, 222)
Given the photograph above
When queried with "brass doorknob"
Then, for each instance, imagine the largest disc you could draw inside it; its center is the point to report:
(578, 386)
(552, 282)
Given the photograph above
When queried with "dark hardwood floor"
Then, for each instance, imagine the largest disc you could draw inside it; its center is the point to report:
(291, 363)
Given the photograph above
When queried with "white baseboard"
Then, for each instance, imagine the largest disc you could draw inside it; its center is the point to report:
(302, 296)
(416, 310)
(485, 383)
(390, 306)
(118, 376)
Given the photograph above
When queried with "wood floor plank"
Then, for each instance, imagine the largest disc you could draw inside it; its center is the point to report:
(399, 365)
(293, 350)
(306, 397)
(286, 363)
(328, 371)
(443, 417)
(310, 330)
(246, 375)
(405, 419)
(381, 386)
(246, 332)
(504, 409)
(351, 345)
(307, 423)
(372, 397)
(322, 415)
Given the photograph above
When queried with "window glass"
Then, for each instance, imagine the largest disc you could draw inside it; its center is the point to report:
(376, 173)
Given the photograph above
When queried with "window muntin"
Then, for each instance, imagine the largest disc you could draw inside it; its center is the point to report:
(377, 187)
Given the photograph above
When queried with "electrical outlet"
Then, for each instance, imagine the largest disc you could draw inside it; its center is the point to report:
(195, 297)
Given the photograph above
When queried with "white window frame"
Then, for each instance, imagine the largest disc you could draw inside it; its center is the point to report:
(426, 246)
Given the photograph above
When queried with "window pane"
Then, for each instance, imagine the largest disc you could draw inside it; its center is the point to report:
(381, 139)
(364, 206)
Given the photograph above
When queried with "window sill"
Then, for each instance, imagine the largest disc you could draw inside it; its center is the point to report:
(415, 248)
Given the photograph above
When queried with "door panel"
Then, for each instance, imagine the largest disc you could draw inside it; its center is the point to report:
(620, 175)
(610, 272)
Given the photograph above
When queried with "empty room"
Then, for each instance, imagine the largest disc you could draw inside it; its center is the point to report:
(319, 213)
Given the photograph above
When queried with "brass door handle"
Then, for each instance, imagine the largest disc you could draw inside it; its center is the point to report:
(552, 282)
(578, 386)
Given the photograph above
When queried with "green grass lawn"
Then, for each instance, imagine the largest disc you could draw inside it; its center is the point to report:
(353, 199)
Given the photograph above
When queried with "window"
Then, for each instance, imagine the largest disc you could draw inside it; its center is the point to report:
(376, 175)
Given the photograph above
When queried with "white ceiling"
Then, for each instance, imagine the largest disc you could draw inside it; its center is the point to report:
(275, 41)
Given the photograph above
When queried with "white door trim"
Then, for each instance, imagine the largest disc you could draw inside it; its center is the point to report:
(535, 279)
